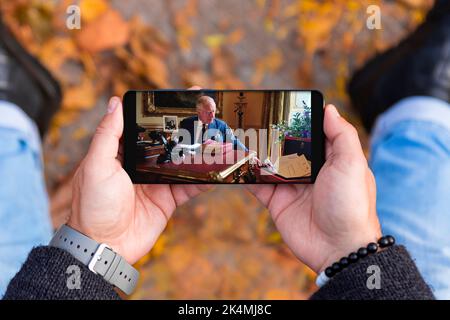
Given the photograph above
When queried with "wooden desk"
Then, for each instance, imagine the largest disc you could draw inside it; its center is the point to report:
(240, 170)
(297, 145)
(148, 151)
(264, 176)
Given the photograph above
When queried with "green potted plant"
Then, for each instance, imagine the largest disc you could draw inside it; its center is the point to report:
(296, 136)
(300, 126)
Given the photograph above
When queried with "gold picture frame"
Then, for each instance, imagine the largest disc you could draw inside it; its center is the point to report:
(150, 109)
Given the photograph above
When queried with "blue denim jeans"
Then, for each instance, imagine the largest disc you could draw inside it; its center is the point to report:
(24, 212)
(410, 158)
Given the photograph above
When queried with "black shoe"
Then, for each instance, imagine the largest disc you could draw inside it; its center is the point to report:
(419, 65)
(25, 82)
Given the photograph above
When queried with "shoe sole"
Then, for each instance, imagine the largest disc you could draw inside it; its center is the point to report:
(46, 82)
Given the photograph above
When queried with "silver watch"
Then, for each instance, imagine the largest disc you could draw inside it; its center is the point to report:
(99, 258)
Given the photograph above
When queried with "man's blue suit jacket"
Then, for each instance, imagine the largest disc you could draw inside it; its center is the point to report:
(218, 130)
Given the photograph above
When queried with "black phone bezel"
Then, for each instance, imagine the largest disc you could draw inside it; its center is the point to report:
(130, 134)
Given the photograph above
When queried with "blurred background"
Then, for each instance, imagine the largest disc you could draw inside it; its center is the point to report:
(221, 245)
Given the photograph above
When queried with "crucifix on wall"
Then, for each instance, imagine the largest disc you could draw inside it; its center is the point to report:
(239, 108)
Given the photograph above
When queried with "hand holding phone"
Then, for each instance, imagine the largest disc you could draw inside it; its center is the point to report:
(108, 208)
(328, 220)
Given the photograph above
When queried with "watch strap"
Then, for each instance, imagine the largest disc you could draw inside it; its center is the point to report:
(99, 258)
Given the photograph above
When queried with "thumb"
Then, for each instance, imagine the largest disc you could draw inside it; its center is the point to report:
(105, 143)
(342, 137)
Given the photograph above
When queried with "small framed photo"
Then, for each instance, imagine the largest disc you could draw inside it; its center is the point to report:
(170, 123)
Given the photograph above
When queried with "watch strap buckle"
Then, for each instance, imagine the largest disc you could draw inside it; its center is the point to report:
(97, 256)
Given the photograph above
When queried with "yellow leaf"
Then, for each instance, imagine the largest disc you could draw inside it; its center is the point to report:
(159, 246)
(315, 31)
(63, 118)
(261, 3)
(353, 5)
(79, 133)
(261, 225)
(62, 159)
(184, 43)
(54, 134)
(274, 237)
(273, 60)
(291, 10)
(309, 273)
(57, 50)
(214, 40)
(82, 97)
(142, 261)
(308, 5)
(277, 294)
(268, 25)
(92, 9)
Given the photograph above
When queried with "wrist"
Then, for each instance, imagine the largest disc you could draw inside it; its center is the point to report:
(347, 247)
(99, 258)
(96, 236)
(341, 264)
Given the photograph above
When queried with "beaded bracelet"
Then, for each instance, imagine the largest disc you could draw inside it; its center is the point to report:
(353, 257)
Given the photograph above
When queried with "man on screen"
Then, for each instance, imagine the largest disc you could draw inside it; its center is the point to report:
(204, 126)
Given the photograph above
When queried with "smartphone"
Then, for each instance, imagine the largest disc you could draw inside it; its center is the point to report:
(223, 136)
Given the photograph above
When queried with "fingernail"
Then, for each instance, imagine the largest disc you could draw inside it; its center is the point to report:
(334, 111)
(113, 104)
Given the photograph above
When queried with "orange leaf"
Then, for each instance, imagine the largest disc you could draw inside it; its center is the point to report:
(106, 32)
(82, 97)
(79, 133)
(92, 9)
(156, 71)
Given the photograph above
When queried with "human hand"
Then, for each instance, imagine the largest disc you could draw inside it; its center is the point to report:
(212, 142)
(325, 221)
(254, 160)
(108, 208)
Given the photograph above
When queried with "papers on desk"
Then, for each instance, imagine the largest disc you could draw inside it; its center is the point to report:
(188, 148)
(212, 147)
(209, 149)
(194, 146)
(293, 166)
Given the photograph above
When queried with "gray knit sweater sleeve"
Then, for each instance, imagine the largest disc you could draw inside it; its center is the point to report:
(48, 274)
(398, 275)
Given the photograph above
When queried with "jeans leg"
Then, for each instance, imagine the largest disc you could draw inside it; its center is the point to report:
(24, 213)
(410, 159)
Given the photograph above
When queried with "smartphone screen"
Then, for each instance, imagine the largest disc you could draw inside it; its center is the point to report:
(223, 136)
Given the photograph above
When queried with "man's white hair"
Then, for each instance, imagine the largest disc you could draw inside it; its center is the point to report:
(204, 101)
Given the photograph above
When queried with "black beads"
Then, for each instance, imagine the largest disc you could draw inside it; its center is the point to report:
(386, 241)
(336, 267)
(372, 247)
(353, 257)
(391, 240)
(383, 242)
(362, 252)
(329, 272)
(344, 262)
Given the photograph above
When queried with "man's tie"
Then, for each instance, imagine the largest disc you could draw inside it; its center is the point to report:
(203, 132)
